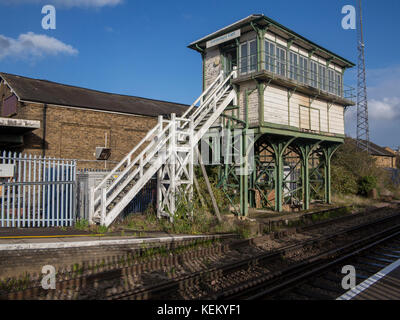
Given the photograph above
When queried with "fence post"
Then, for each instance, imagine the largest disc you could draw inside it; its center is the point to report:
(103, 205)
(91, 206)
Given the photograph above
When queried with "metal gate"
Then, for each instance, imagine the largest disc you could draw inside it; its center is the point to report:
(36, 192)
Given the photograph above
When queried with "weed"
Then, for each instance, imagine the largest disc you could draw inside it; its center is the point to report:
(82, 224)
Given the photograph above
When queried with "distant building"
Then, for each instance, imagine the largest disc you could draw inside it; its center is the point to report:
(385, 157)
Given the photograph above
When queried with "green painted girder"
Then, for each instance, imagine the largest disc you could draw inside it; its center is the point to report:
(281, 130)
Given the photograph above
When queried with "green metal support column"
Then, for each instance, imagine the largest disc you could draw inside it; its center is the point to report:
(306, 182)
(244, 177)
(278, 181)
(328, 153)
(328, 180)
(279, 150)
(252, 182)
(306, 150)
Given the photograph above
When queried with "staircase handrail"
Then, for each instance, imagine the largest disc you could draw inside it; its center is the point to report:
(160, 143)
(203, 94)
(220, 86)
(127, 157)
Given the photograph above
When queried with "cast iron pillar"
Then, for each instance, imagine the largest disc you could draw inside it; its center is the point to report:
(328, 153)
(306, 150)
(279, 150)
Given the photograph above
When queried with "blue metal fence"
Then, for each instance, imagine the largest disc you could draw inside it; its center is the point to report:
(36, 192)
(146, 197)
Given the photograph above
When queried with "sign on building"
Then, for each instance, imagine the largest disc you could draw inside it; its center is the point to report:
(6, 170)
(224, 38)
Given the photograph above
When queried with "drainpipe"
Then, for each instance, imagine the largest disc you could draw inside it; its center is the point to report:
(44, 130)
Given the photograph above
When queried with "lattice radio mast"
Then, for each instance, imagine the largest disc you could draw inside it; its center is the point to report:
(362, 102)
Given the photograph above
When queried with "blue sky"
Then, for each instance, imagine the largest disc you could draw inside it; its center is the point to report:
(139, 47)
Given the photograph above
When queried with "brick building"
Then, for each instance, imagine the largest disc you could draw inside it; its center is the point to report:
(70, 122)
(384, 157)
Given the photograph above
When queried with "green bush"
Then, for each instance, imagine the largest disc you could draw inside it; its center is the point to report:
(354, 172)
(366, 184)
(343, 181)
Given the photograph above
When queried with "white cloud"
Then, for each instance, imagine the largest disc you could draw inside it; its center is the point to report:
(383, 106)
(67, 3)
(31, 45)
(384, 109)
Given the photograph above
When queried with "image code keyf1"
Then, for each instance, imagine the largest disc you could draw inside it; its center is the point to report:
(245, 153)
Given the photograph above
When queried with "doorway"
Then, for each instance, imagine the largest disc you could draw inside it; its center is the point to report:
(229, 55)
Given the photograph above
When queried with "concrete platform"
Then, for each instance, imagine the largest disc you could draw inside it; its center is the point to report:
(384, 285)
(54, 241)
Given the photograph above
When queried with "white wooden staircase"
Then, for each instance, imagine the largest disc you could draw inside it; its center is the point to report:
(168, 151)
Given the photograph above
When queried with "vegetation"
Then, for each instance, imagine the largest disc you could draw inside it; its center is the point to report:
(354, 172)
(202, 222)
(82, 224)
(366, 185)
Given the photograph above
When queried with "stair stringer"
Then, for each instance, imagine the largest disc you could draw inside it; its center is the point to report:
(113, 214)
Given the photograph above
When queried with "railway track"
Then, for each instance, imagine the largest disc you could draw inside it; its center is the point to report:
(320, 277)
(230, 276)
(244, 274)
(135, 261)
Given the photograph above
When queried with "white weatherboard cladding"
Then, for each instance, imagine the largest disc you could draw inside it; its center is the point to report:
(304, 118)
(212, 65)
(299, 113)
(252, 102)
(294, 48)
(276, 105)
(322, 106)
(336, 119)
(315, 119)
(295, 101)
(270, 36)
(338, 69)
(303, 52)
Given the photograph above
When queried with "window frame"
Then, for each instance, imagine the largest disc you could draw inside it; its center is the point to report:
(313, 74)
(281, 64)
(293, 65)
(303, 76)
(322, 84)
(251, 64)
(270, 59)
(302, 69)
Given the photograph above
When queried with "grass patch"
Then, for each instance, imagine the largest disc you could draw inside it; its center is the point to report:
(352, 200)
(82, 224)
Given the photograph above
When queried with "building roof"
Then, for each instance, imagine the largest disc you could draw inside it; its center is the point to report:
(43, 91)
(374, 149)
(279, 29)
